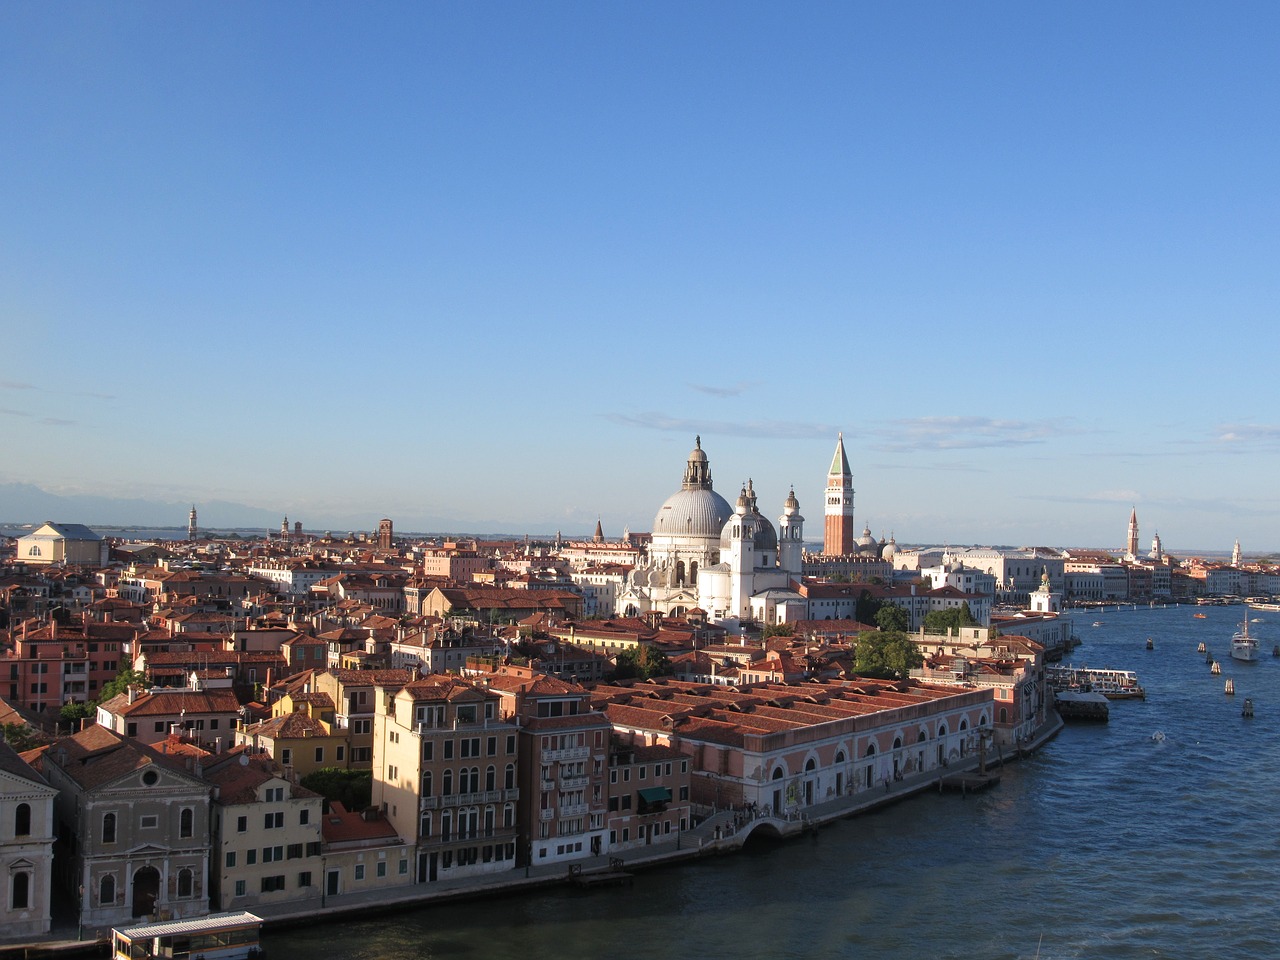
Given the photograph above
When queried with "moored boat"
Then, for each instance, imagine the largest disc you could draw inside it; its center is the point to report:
(1243, 646)
(218, 936)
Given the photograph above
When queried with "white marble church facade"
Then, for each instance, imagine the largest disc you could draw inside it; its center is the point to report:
(730, 562)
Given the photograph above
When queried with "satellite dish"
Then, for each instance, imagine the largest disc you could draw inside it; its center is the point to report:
(244, 759)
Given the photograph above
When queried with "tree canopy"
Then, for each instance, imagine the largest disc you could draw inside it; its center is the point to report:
(887, 654)
(351, 788)
(939, 621)
(641, 662)
(892, 618)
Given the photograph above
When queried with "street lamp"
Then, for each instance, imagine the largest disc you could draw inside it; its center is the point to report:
(324, 879)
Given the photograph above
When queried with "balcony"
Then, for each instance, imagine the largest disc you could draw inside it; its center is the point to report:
(546, 814)
(573, 810)
(471, 799)
(574, 783)
(568, 753)
(546, 786)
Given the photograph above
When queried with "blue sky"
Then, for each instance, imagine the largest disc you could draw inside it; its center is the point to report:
(492, 266)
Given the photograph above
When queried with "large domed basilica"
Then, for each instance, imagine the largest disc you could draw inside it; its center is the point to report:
(729, 561)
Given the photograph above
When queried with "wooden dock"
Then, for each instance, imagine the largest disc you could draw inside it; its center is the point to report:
(968, 782)
(611, 876)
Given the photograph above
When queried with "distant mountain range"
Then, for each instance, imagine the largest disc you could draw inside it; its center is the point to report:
(26, 503)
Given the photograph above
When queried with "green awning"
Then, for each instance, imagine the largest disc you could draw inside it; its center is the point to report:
(656, 794)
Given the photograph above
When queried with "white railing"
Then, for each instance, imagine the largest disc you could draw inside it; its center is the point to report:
(574, 783)
(568, 753)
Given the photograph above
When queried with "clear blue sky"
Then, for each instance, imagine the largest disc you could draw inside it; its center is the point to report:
(492, 266)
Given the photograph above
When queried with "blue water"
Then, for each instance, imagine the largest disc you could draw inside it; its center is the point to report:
(1105, 844)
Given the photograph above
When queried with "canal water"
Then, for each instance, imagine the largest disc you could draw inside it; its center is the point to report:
(1112, 842)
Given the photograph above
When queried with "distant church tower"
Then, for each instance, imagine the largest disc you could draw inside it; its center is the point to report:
(284, 529)
(791, 536)
(1235, 555)
(385, 534)
(837, 535)
(1131, 553)
(1157, 549)
(191, 524)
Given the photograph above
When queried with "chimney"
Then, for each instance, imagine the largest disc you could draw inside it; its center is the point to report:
(132, 693)
(217, 745)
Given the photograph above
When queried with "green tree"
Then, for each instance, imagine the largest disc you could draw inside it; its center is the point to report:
(893, 619)
(642, 662)
(23, 737)
(73, 713)
(351, 788)
(121, 682)
(866, 608)
(887, 655)
(938, 621)
(777, 630)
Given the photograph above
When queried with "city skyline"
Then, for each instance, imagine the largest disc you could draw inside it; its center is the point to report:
(491, 270)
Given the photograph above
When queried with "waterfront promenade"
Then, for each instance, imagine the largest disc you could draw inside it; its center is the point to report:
(722, 832)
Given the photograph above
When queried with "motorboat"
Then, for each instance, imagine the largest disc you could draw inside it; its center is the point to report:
(1243, 646)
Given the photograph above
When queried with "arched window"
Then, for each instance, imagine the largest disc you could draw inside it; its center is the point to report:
(488, 821)
(426, 784)
(491, 778)
(897, 743)
(839, 756)
(109, 828)
(1004, 715)
(922, 737)
(186, 822)
(509, 815)
(693, 571)
(777, 773)
(509, 781)
(809, 765)
(185, 883)
(964, 724)
(679, 571)
(107, 890)
(20, 887)
(22, 820)
(871, 749)
(447, 788)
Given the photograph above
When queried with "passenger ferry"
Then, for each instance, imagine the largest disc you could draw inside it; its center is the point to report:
(219, 936)
(1112, 684)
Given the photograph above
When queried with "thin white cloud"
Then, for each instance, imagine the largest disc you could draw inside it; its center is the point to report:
(16, 385)
(1255, 434)
(767, 429)
(966, 433)
(736, 390)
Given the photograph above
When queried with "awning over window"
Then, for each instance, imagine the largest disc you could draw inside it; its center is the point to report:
(656, 794)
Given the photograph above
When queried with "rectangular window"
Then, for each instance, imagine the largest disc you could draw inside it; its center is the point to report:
(251, 857)
(491, 747)
(319, 754)
(382, 868)
(304, 816)
(359, 871)
(448, 749)
(511, 743)
(242, 824)
(342, 754)
(270, 884)
(294, 851)
(159, 726)
(273, 821)
(240, 888)
(148, 821)
(313, 849)
(231, 858)
(304, 878)
(404, 866)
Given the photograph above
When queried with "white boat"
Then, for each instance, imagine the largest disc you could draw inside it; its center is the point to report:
(218, 936)
(1243, 646)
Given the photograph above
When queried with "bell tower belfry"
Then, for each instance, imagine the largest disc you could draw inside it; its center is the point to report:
(837, 534)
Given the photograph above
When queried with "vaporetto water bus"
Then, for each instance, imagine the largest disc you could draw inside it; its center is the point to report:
(1112, 684)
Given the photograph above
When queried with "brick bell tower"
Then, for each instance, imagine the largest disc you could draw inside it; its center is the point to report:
(837, 534)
